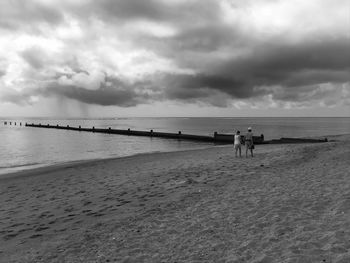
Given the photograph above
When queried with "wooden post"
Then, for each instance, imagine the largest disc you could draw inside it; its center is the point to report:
(67, 126)
(179, 132)
(20, 124)
(128, 129)
(109, 129)
(56, 125)
(79, 127)
(93, 128)
(151, 131)
(262, 137)
(15, 123)
(48, 125)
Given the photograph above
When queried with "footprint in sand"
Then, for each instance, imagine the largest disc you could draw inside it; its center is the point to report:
(86, 203)
(35, 236)
(9, 236)
(98, 214)
(44, 214)
(61, 230)
(39, 229)
(17, 224)
(69, 209)
(108, 199)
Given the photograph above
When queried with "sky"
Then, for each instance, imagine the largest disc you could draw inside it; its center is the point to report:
(113, 58)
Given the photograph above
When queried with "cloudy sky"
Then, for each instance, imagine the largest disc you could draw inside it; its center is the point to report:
(174, 58)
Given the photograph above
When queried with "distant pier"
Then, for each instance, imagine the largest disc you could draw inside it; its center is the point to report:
(216, 138)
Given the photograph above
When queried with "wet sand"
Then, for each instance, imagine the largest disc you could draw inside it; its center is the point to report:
(290, 203)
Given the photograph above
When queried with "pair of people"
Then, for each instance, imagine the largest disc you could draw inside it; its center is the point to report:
(248, 142)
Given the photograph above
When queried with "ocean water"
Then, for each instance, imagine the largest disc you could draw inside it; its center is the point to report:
(24, 147)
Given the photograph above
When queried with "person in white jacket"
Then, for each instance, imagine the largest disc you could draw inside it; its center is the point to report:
(237, 144)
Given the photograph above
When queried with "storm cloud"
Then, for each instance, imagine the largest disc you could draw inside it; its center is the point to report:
(112, 91)
(126, 53)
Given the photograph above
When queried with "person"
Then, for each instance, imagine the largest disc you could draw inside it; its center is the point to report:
(249, 142)
(237, 143)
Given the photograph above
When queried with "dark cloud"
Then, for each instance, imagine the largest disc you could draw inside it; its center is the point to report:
(188, 87)
(2, 73)
(128, 10)
(35, 57)
(213, 51)
(298, 69)
(15, 14)
(314, 77)
(284, 57)
(289, 66)
(18, 14)
(307, 93)
(105, 96)
(295, 66)
(186, 12)
(112, 91)
(208, 36)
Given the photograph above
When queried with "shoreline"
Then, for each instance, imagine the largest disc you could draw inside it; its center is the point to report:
(46, 168)
(290, 203)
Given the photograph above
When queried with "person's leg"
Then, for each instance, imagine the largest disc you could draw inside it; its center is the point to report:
(240, 151)
(236, 150)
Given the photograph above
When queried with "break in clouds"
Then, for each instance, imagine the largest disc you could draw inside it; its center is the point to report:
(131, 52)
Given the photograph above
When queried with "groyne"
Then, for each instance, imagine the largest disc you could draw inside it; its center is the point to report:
(216, 138)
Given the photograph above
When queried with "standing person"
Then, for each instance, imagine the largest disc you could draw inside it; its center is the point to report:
(237, 143)
(249, 142)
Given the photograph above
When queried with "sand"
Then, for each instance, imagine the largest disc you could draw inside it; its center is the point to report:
(290, 203)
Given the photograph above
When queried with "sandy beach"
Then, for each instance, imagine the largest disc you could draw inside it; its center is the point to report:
(290, 203)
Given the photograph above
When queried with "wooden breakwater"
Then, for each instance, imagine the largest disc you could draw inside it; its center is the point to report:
(216, 138)
(14, 123)
(297, 140)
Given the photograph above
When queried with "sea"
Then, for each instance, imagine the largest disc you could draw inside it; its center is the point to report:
(26, 147)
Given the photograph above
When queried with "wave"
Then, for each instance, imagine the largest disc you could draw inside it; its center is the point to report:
(18, 165)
